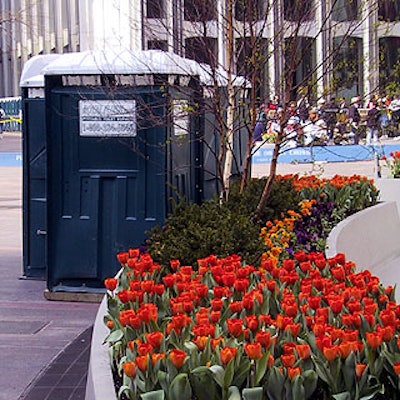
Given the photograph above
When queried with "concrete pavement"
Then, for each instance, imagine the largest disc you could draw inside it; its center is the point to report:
(33, 330)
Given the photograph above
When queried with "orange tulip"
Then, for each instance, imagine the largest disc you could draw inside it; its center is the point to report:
(293, 372)
(155, 338)
(129, 368)
(253, 350)
(360, 368)
(226, 354)
(177, 357)
(142, 362)
(157, 357)
(303, 350)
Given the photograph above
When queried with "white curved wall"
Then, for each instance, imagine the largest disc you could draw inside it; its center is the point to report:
(371, 238)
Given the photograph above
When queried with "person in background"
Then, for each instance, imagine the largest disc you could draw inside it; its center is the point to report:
(303, 107)
(354, 118)
(372, 122)
(259, 128)
(2, 118)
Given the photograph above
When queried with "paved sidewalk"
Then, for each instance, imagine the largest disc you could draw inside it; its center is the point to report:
(34, 331)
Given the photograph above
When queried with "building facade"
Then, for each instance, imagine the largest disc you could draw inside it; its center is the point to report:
(343, 46)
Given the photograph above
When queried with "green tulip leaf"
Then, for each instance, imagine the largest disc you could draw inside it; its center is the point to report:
(298, 391)
(126, 390)
(349, 371)
(233, 393)
(261, 367)
(163, 378)
(322, 371)
(310, 382)
(275, 383)
(180, 388)
(255, 393)
(112, 307)
(203, 384)
(219, 374)
(154, 395)
(114, 336)
(342, 396)
(229, 373)
(242, 372)
(141, 384)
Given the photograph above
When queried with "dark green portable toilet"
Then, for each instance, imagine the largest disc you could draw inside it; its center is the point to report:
(121, 142)
(34, 166)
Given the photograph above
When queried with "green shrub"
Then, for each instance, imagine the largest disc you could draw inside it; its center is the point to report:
(196, 231)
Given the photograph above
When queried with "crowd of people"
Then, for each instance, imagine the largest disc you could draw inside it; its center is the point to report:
(329, 122)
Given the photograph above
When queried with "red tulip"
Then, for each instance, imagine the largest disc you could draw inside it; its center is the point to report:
(263, 337)
(155, 338)
(110, 283)
(293, 372)
(288, 360)
(374, 339)
(360, 368)
(331, 352)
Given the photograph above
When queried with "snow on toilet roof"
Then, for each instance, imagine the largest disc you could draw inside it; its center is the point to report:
(124, 62)
(32, 73)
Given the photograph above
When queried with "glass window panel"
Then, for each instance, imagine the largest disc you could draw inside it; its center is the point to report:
(200, 10)
(249, 10)
(345, 10)
(202, 50)
(155, 9)
(389, 64)
(298, 10)
(157, 45)
(347, 71)
(300, 56)
(389, 10)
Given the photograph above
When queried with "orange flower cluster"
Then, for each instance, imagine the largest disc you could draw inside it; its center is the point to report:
(277, 235)
(314, 182)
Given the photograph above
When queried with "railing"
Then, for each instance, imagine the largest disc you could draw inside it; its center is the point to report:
(13, 113)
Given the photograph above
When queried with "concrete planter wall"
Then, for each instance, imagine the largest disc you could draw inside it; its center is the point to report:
(100, 383)
(371, 238)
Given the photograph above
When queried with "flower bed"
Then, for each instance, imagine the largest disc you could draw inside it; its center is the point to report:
(305, 329)
(294, 325)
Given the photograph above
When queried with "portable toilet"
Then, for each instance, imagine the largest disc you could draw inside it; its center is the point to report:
(121, 141)
(34, 166)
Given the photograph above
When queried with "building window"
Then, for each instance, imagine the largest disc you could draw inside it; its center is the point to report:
(389, 10)
(298, 10)
(200, 10)
(389, 64)
(157, 45)
(245, 66)
(345, 10)
(202, 50)
(155, 9)
(299, 62)
(347, 71)
(249, 10)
